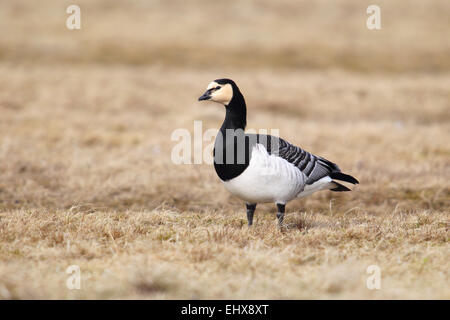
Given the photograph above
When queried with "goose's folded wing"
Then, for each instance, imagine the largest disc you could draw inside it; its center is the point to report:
(313, 167)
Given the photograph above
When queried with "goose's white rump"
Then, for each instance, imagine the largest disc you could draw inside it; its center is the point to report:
(268, 178)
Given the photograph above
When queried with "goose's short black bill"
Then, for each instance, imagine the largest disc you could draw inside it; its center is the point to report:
(205, 96)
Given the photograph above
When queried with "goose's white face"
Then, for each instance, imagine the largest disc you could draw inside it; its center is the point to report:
(221, 93)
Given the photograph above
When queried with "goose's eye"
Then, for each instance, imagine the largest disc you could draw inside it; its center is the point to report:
(217, 88)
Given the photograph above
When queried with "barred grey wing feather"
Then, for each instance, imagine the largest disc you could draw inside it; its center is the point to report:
(318, 172)
(314, 167)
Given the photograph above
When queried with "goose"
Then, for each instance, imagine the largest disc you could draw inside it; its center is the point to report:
(259, 168)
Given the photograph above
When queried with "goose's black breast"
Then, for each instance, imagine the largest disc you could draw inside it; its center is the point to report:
(232, 152)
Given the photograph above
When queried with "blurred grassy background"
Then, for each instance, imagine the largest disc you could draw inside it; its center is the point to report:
(245, 34)
(86, 176)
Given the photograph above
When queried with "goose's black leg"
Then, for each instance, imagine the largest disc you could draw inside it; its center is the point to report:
(280, 213)
(250, 211)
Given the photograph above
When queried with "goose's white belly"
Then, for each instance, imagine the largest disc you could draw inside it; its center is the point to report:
(268, 178)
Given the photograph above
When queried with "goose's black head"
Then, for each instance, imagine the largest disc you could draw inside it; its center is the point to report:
(223, 91)
(226, 92)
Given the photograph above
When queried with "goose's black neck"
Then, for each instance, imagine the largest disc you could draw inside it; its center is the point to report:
(226, 145)
(236, 112)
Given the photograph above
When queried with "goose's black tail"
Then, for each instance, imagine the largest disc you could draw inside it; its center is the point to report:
(342, 177)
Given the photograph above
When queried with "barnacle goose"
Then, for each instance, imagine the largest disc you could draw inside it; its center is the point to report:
(262, 168)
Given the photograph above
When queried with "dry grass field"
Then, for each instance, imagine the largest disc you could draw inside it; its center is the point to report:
(86, 176)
